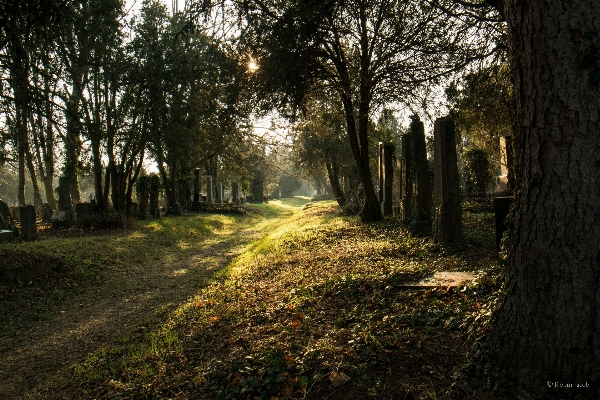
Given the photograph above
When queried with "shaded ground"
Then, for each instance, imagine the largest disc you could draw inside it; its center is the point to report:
(313, 305)
(52, 322)
(317, 301)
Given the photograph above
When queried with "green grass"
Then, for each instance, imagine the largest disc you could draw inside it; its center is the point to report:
(90, 257)
(317, 293)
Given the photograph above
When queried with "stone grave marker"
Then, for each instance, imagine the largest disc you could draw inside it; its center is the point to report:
(447, 219)
(219, 192)
(209, 190)
(442, 279)
(235, 193)
(65, 206)
(386, 177)
(28, 226)
(64, 195)
(422, 213)
(408, 178)
(46, 213)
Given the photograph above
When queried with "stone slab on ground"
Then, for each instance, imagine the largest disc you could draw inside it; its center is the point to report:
(443, 279)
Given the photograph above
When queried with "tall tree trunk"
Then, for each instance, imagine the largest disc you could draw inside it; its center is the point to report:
(334, 180)
(31, 168)
(547, 331)
(44, 146)
(358, 136)
(72, 142)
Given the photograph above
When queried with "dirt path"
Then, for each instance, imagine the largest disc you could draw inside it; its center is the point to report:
(36, 363)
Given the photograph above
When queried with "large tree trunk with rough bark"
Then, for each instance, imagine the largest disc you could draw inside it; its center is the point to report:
(334, 181)
(547, 331)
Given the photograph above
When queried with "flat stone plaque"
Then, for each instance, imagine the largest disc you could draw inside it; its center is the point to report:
(443, 279)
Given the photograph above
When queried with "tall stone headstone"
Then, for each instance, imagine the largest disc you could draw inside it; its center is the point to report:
(506, 178)
(46, 213)
(197, 185)
(219, 192)
(447, 218)
(422, 211)
(398, 187)
(408, 178)
(209, 189)
(64, 195)
(386, 176)
(235, 193)
(28, 226)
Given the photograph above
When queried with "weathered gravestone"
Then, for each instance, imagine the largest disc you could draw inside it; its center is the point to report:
(219, 192)
(46, 213)
(407, 169)
(235, 193)
(422, 212)
(65, 206)
(64, 195)
(397, 208)
(506, 180)
(209, 190)
(447, 219)
(28, 226)
(386, 177)
(7, 226)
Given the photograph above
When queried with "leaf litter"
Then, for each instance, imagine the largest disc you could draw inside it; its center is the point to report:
(316, 310)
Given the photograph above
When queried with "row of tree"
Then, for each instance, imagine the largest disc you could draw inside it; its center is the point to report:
(114, 92)
(86, 88)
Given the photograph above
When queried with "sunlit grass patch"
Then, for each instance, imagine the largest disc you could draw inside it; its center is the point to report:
(318, 293)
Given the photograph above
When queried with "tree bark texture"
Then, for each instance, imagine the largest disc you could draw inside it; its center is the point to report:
(547, 331)
(334, 181)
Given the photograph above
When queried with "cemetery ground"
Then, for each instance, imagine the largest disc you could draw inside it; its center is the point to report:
(292, 300)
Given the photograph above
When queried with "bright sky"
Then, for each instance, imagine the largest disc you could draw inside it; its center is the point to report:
(135, 5)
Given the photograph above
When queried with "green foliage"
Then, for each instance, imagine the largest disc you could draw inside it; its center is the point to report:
(288, 185)
(476, 171)
(480, 104)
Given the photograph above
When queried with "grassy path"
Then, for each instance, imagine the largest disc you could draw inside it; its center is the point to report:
(112, 285)
(316, 308)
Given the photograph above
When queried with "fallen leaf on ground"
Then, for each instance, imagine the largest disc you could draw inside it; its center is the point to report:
(338, 378)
